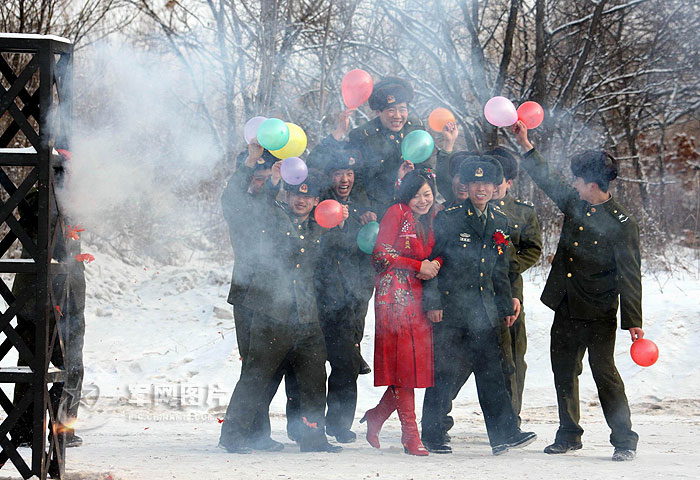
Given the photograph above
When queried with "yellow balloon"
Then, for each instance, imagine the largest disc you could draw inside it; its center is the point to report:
(296, 145)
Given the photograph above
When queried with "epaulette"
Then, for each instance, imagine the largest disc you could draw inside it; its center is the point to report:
(453, 209)
(527, 203)
(498, 210)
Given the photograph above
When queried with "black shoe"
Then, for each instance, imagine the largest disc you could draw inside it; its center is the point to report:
(562, 447)
(437, 447)
(364, 367)
(72, 440)
(266, 444)
(623, 455)
(235, 448)
(319, 446)
(344, 436)
(518, 440)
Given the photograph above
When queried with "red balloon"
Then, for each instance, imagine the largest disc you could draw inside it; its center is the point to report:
(531, 113)
(329, 213)
(644, 352)
(356, 87)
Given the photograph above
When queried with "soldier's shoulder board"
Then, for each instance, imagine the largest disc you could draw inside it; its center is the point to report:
(451, 210)
(527, 203)
(499, 212)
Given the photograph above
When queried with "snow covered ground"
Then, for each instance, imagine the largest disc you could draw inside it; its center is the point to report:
(161, 362)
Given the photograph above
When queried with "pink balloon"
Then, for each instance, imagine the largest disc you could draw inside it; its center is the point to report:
(294, 170)
(500, 112)
(356, 87)
(250, 131)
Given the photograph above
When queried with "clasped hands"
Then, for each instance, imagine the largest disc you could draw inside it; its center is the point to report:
(428, 270)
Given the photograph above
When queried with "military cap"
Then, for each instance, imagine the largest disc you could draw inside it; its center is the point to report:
(458, 158)
(485, 168)
(390, 91)
(311, 186)
(507, 161)
(343, 159)
(595, 166)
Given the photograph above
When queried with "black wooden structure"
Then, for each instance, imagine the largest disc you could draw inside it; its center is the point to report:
(35, 109)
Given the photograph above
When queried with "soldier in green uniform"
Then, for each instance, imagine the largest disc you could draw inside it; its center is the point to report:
(524, 249)
(379, 140)
(473, 291)
(344, 283)
(253, 169)
(285, 322)
(595, 270)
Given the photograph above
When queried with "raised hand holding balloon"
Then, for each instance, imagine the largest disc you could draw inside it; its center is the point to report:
(356, 87)
(531, 113)
(500, 112)
(439, 118)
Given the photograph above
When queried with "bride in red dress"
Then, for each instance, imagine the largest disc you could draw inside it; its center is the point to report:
(403, 349)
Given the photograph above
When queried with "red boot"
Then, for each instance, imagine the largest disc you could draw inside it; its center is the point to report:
(375, 417)
(405, 404)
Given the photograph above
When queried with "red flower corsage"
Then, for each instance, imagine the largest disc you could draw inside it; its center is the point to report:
(500, 241)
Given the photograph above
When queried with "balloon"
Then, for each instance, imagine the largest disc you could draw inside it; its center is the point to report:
(273, 134)
(329, 213)
(439, 118)
(295, 146)
(644, 352)
(500, 112)
(417, 146)
(531, 114)
(250, 131)
(367, 237)
(294, 170)
(356, 87)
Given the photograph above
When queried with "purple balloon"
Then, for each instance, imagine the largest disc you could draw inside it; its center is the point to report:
(294, 170)
(500, 112)
(250, 131)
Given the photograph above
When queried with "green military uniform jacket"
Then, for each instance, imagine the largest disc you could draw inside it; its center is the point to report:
(474, 270)
(282, 279)
(344, 275)
(597, 263)
(236, 203)
(525, 246)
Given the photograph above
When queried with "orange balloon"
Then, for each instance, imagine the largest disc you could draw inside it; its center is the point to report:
(439, 118)
(329, 213)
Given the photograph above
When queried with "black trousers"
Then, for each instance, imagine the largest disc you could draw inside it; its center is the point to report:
(340, 330)
(570, 338)
(459, 350)
(243, 319)
(271, 345)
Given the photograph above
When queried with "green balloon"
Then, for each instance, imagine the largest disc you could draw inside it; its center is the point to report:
(367, 237)
(417, 146)
(273, 134)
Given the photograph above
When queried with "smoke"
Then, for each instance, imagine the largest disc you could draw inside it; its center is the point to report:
(141, 150)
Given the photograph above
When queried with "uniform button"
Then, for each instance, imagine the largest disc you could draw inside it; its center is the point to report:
(288, 233)
(580, 228)
(299, 227)
(484, 245)
(614, 211)
(568, 275)
(483, 260)
(447, 292)
(481, 274)
(588, 214)
(298, 266)
(595, 242)
(481, 288)
(294, 282)
(381, 161)
(516, 225)
(464, 245)
(571, 259)
(301, 236)
(301, 250)
(575, 244)
(263, 231)
(502, 202)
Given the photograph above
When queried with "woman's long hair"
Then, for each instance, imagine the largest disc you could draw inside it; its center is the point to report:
(410, 184)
